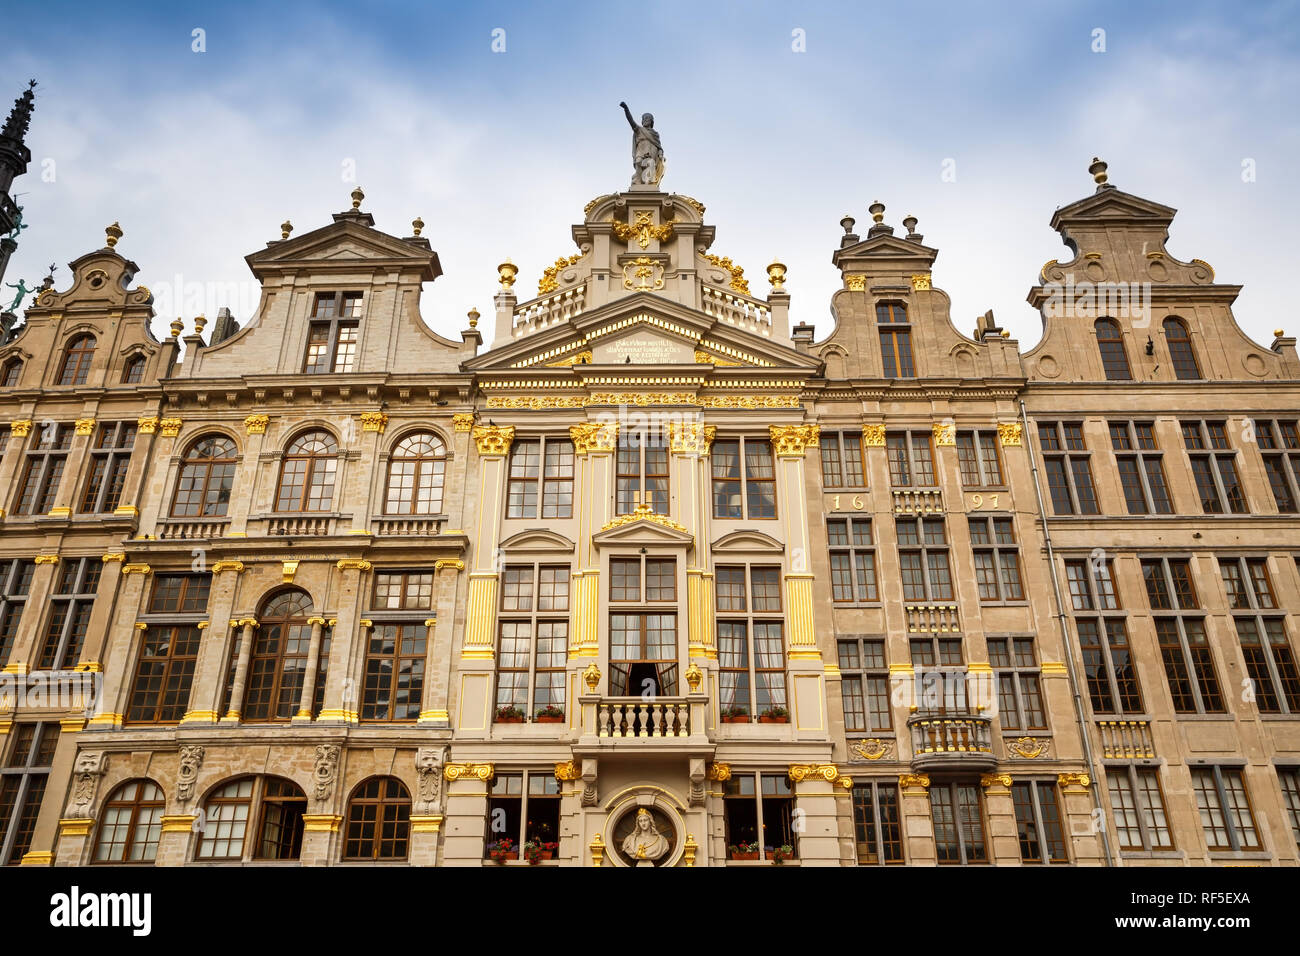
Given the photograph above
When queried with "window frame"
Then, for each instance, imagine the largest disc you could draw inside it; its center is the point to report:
(1112, 350)
(539, 481)
(110, 459)
(1203, 449)
(33, 780)
(1074, 461)
(192, 466)
(998, 552)
(832, 445)
(751, 619)
(759, 798)
(1142, 810)
(425, 468)
(881, 851)
(897, 357)
(1097, 602)
(44, 465)
(911, 460)
(1226, 811)
(74, 370)
(1177, 360)
(867, 668)
(853, 551)
(16, 576)
(953, 788)
(925, 550)
(1260, 611)
(1025, 679)
(551, 792)
(399, 799)
(973, 446)
(138, 807)
(1281, 462)
(535, 617)
(1042, 823)
(334, 323)
(63, 650)
(310, 482)
(1198, 671)
(268, 711)
(743, 480)
(633, 486)
(1129, 445)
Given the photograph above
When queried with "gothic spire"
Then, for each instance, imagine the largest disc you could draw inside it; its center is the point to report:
(20, 117)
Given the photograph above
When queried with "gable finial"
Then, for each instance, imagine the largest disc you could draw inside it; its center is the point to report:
(1099, 176)
(286, 227)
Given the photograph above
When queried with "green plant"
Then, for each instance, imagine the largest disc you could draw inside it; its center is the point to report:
(550, 710)
(509, 712)
(534, 850)
(776, 712)
(499, 850)
(735, 711)
(782, 853)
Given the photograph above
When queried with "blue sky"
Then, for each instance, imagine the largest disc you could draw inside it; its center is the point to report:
(200, 156)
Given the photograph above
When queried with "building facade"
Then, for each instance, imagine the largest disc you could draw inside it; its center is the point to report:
(657, 579)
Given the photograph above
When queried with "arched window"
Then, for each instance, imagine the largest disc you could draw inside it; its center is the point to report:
(1180, 349)
(895, 340)
(133, 370)
(76, 360)
(11, 373)
(307, 473)
(379, 820)
(276, 805)
(207, 475)
(1113, 357)
(130, 824)
(415, 475)
(279, 660)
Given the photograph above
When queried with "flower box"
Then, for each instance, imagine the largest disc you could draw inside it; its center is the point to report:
(774, 720)
(541, 855)
(548, 720)
(737, 855)
(499, 857)
(510, 720)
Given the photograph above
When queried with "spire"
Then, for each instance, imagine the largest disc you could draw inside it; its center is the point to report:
(20, 117)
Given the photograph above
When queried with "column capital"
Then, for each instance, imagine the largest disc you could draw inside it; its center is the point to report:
(374, 422)
(799, 772)
(352, 564)
(493, 440)
(873, 435)
(236, 566)
(462, 421)
(1009, 433)
(913, 782)
(1073, 782)
(83, 426)
(20, 427)
(147, 426)
(256, 424)
(945, 433)
(594, 437)
(171, 427)
(464, 771)
(691, 438)
(792, 441)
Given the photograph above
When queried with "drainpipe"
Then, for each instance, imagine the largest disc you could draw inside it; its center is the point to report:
(1065, 643)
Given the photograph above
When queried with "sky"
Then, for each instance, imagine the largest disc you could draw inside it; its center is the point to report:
(780, 117)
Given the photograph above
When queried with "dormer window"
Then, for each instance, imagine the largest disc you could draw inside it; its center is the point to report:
(76, 360)
(133, 371)
(332, 334)
(11, 373)
(895, 340)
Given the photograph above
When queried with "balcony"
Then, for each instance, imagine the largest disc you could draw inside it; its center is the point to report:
(921, 501)
(190, 529)
(962, 742)
(406, 526)
(300, 525)
(643, 725)
(1126, 739)
(932, 618)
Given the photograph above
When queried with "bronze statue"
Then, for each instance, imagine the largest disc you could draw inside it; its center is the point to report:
(647, 151)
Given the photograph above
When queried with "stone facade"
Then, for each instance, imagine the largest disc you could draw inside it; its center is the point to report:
(654, 554)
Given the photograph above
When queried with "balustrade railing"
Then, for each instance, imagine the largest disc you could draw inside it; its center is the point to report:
(1126, 739)
(628, 717)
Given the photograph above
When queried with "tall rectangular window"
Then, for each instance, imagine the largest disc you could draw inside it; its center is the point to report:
(895, 340)
(1279, 445)
(15, 584)
(70, 604)
(877, 823)
(23, 776)
(853, 561)
(1214, 467)
(758, 812)
(1068, 467)
(642, 471)
(997, 560)
(1289, 778)
(1019, 682)
(939, 667)
(864, 685)
(1224, 805)
(42, 469)
(523, 808)
(110, 456)
(332, 333)
(1270, 660)
(841, 455)
(911, 459)
(744, 478)
(957, 813)
(751, 643)
(1138, 806)
(1038, 822)
(923, 559)
(541, 469)
(978, 459)
(169, 649)
(533, 641)
(1184, 646)
(1108, 663)
(393, 679)
(1141, 468)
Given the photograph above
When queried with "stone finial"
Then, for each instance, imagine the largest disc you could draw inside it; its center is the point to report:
(357, 196)
(199, 322)
(417, 224)
(909, 223)
(776, 275)
(286, 227)
(473, 317)
(177, 326)
(1098, 170)
(112, 234)
(847, 224)
(506, 273)
(877, 210)
(1278, 333)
